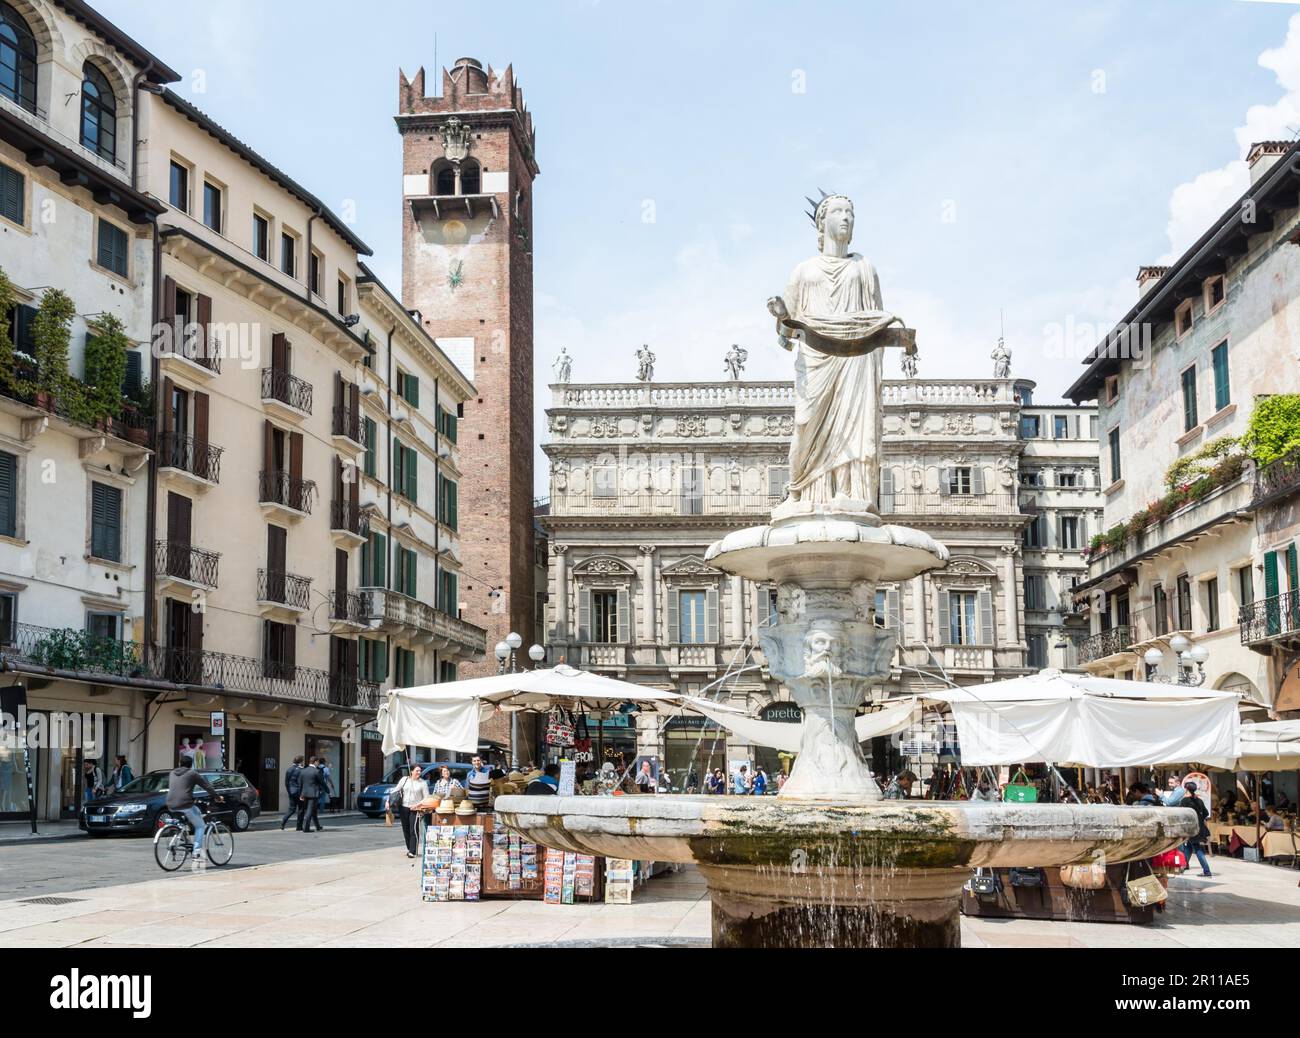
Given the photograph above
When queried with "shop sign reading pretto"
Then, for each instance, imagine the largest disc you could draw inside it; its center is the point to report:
(785, 712)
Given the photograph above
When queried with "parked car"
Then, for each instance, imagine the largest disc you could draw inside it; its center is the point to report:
(374, 797)
(140, 804)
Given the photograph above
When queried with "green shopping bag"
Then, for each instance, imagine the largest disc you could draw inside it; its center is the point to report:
(1019, 790)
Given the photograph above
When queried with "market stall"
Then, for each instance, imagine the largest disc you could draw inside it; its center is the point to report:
(465, 855)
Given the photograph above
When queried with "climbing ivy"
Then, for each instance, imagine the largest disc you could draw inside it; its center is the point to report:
(1274, 428)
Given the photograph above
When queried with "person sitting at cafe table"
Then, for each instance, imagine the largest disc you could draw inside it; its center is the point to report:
(1228, 805)
(1270, 819)
(545, 785)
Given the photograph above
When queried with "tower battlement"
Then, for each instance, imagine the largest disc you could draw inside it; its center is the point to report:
(466, 88)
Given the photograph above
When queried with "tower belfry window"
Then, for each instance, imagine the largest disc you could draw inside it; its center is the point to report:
(445, 181)
(470, 180)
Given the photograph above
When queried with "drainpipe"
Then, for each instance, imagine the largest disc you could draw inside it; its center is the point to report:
(437, 519)
(151, 511)
(388, 496)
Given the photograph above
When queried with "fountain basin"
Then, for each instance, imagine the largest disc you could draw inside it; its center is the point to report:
(889, 873)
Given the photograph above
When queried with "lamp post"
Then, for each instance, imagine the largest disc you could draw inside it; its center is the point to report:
(508, 663)
(1191, 663)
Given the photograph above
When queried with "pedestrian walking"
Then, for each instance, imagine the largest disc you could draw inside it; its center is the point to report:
(760, 782)
(740, 782)
(1196, 845)
(292, 789)
(327, 788)
(92, 781)
(122, 775)
(409, 792)
(308, 797)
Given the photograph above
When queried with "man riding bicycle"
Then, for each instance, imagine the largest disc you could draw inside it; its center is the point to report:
(180, 801)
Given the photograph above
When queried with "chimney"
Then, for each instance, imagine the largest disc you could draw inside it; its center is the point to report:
(1148, 278)
(1263, 156)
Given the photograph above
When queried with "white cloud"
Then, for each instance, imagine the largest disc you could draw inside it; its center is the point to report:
(1196, 204)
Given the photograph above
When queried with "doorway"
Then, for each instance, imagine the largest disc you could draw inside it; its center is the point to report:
(257, 758)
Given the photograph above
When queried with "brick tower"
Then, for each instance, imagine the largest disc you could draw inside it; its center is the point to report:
(468, 166)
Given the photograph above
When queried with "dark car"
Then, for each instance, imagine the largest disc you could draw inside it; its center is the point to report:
(374, 797)
(138, 806)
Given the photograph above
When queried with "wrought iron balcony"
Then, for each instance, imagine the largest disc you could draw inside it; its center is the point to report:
(288, 389)
(349, 607)
(202, 460)
(80, 652)
(1278, 479)
(1105, 643)
(182, 561)
(192, 342)
(1270, 619)
(347, 423)
(280, 488)
(286, 589)
(345, 517)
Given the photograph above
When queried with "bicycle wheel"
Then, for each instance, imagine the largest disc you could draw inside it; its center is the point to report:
(171, 848)
(220, 844)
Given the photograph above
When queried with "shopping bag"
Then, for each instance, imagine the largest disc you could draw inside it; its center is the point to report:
(1028, 878)
(1020, 791)
(1143, 891)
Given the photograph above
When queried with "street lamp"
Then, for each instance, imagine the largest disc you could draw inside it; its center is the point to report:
(1191, 663)
(508, 663)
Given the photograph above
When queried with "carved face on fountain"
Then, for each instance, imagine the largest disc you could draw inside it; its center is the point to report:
(822, 651)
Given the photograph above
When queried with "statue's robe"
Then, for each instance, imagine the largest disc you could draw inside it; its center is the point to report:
(837, 418)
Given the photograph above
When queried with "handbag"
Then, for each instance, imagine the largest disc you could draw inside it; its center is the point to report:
(984, 885)
(1019, 790)
(395, 796)
(1143, 891)
(1028, 878)
(1084, 877)
(581, 733)
(559, 728)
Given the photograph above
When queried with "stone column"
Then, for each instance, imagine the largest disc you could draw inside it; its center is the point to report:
(1009, 592)
(560, 553)
(737, 619)
(918, 610)
(649, 625)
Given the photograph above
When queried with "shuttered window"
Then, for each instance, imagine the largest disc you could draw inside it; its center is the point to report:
(114, 249)
(370, 438)
(1189, 399)
(404, 668)
(8, 495)
(1222, 385)
(405, 468)
(12, 187)
(405, 565)
(373, 660)
(690, 617)
(777, 478)
(447, 501)
(106, 522)
(604, 620)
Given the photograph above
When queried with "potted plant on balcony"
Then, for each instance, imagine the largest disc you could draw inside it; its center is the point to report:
(16, 370)
(51, 331)
(137, 409)
(105, 368)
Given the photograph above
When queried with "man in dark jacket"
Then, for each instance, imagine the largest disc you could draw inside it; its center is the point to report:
(312, 784)
(293, 787)
(180, 801)
(548, 785)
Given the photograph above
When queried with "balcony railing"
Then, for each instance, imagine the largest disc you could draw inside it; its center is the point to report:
(1105, 643)
(1277, 479)
(189, 455)
(289, 389)
(349, 607)
(192, 341)
(280, 488)
(347, 423)
(950, 504)
(350, 518)
(1271, 618)
(80, 652)
(287, 589)
(186, 562)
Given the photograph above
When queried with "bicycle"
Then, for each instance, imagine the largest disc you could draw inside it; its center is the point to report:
(174, 842)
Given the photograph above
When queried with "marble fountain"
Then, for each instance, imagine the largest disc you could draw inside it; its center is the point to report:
(829, 862)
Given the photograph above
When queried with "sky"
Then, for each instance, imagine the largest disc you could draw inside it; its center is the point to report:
(1012, 162)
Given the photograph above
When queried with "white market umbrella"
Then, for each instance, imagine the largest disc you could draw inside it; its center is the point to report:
(1091, 722)
(447, 715)
(1270, 746)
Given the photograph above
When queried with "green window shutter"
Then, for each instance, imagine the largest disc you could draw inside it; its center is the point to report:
(1189, 398)
(370, 430)
(1270, 575)
(380, 572)
(412, 470)
(413, 391)
(1222, 384)
(8, 494)
(1293, 578)
(453, 519)
(105, 522)
(411, 571)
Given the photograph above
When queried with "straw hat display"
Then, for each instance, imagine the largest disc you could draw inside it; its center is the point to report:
(447, 807)
(458, 794)
(466, 807)
(427, 804)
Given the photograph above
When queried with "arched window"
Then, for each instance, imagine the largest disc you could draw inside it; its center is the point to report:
(469, 178)
(445, 181)
(17, 59)
(98, 113)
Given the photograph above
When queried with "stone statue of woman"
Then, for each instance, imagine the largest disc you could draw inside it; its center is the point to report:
(832, 317)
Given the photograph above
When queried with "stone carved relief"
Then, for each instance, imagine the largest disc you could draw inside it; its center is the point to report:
(603, 566)
(864, 599)
(603, 426)
(791, 602)
(779, 425)
(691, 567)
(959, 424)
(692, 425)
(822, 655)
